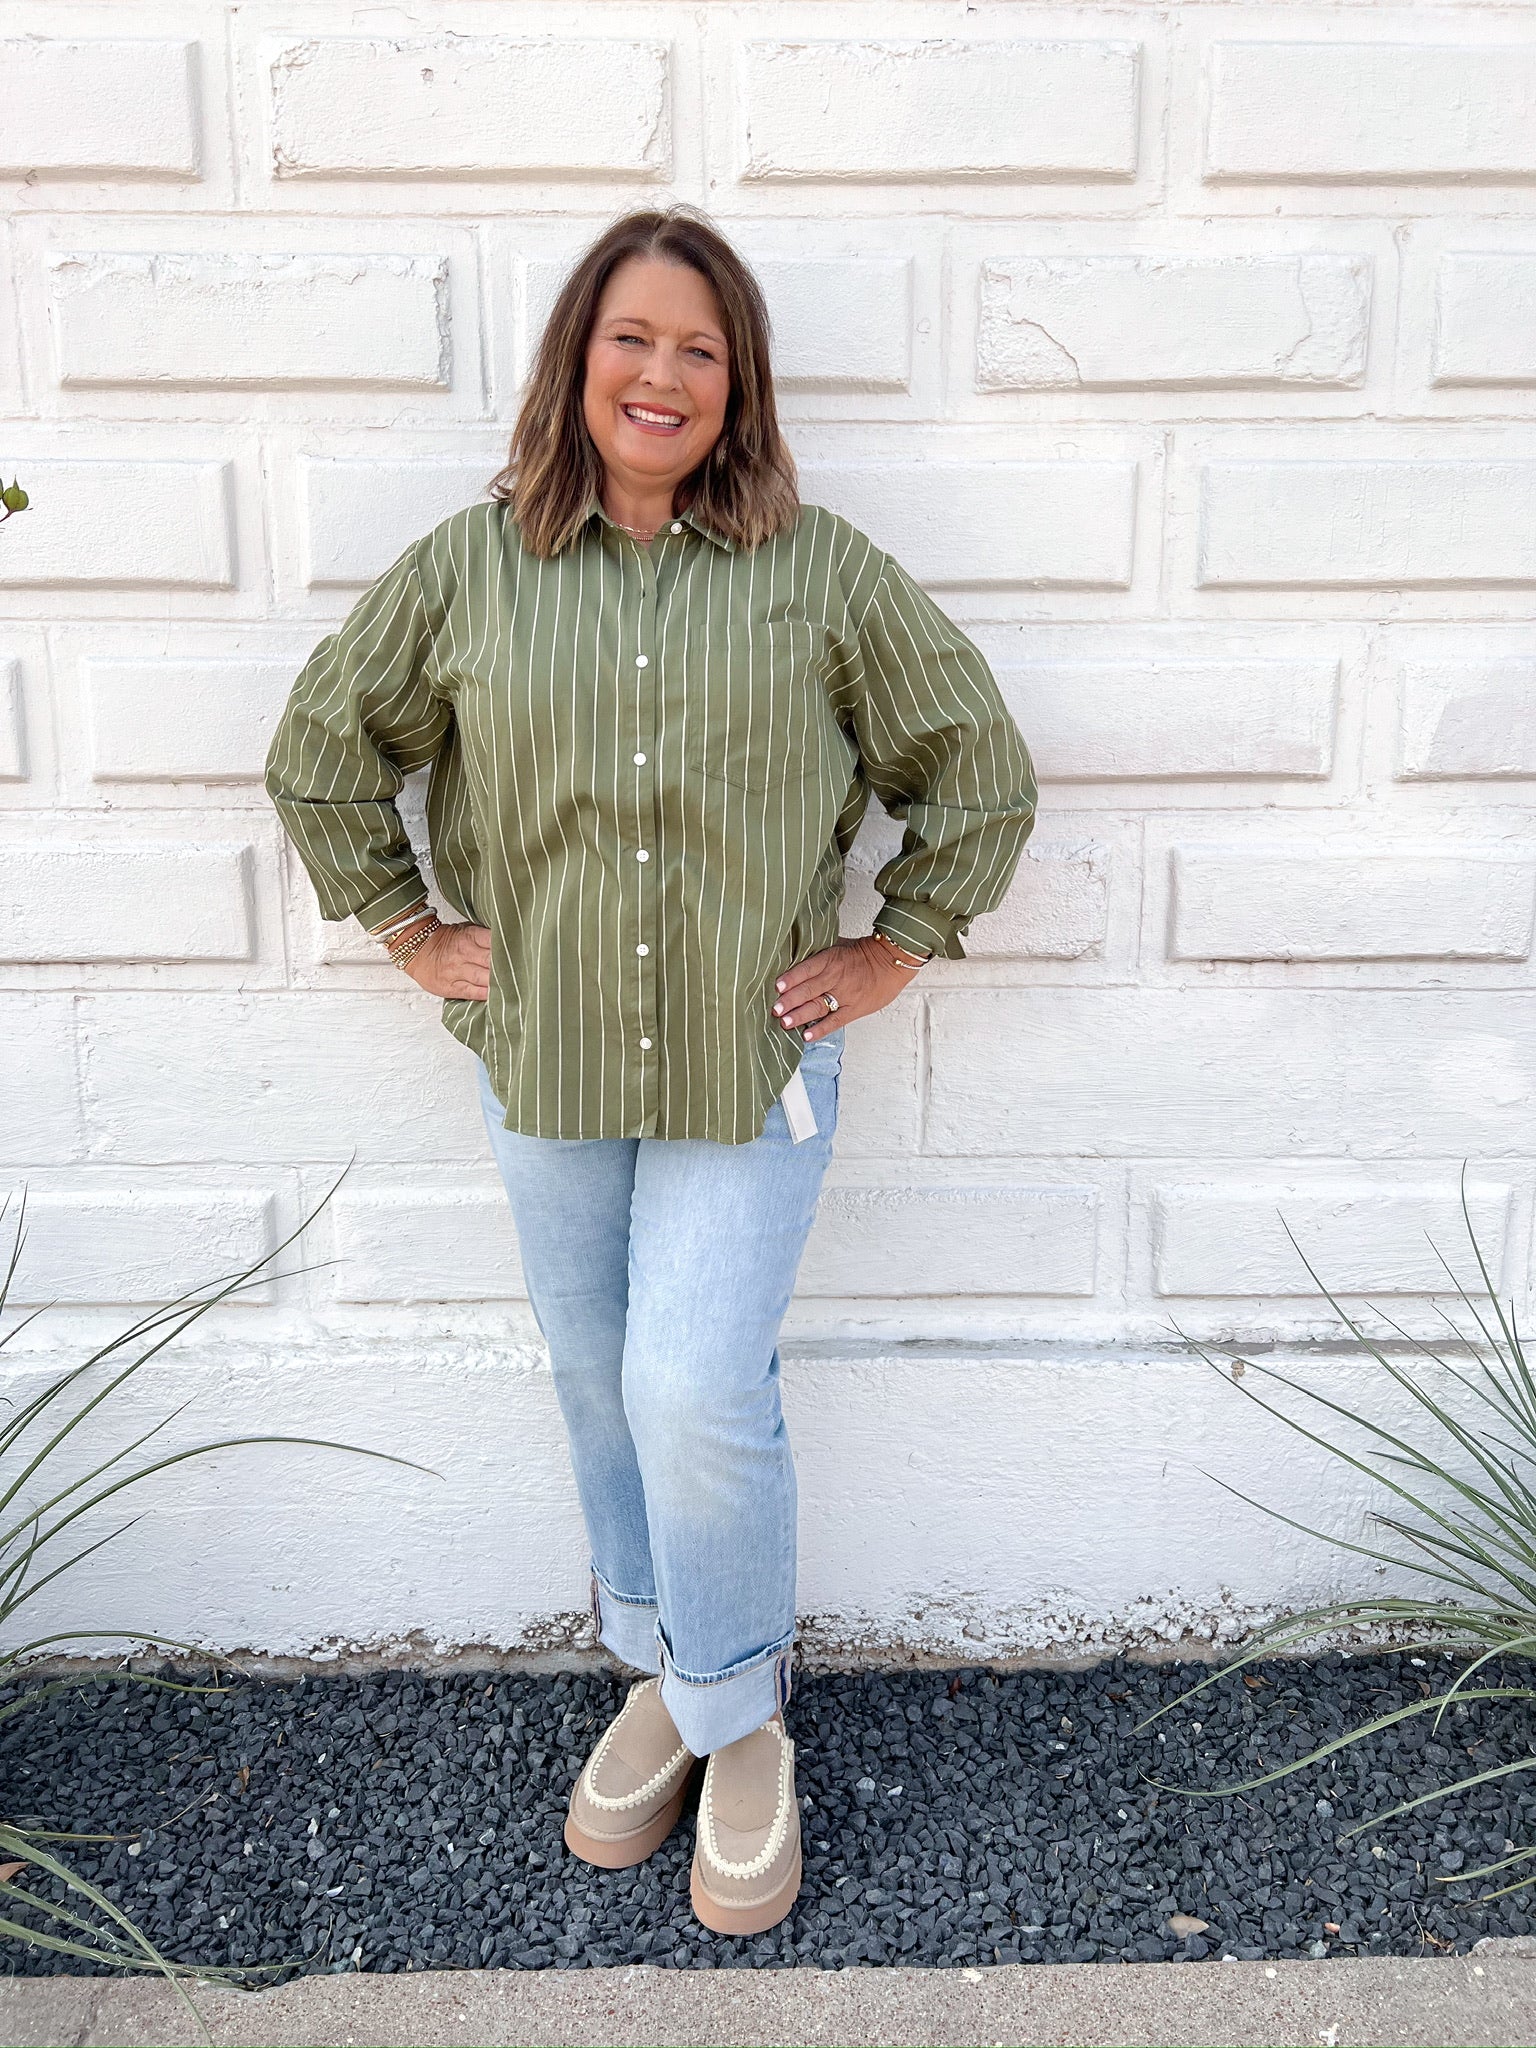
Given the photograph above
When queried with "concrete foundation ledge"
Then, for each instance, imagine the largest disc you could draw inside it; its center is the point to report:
(1488, 1997)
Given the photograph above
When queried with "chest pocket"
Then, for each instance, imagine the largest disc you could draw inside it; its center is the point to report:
(764, 721)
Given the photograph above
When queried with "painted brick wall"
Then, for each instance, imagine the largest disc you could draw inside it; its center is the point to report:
(1187, 353)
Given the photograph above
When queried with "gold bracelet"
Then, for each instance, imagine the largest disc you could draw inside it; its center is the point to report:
(896, 952)
(406, 949)
(390, 925)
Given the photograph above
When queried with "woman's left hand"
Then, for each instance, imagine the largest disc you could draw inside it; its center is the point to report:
(861, 973)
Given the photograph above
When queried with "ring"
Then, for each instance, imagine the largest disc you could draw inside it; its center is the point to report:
(831, 1002)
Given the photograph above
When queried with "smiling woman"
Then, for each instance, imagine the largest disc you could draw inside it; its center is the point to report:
(658, 383)
(656, 693)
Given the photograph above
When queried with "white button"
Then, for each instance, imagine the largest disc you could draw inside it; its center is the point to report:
(642, 661)
(677, 526)
(642, 854)
(642, 949)
(639, 760)
(646, 1043)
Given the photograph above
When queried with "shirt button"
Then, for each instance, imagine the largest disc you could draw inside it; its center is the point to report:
(646, 1043)
(642, 661)
(642, 949)
(639, 760)
(641, 854)
(677, 526)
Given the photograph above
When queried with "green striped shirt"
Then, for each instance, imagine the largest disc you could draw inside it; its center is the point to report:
(648, 764)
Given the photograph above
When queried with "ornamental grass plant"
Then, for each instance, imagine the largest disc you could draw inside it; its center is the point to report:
(1462, 1515)
(55, 1475)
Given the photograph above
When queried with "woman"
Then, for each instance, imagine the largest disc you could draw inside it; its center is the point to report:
(655, 691)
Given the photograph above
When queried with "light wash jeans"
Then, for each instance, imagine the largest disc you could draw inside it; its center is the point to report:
(659, 1271)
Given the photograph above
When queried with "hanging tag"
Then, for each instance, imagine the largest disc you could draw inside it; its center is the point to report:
(797, 1108)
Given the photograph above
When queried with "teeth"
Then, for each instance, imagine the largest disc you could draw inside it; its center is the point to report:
(660, 419)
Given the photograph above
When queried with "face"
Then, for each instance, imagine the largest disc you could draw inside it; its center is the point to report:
(658, 373)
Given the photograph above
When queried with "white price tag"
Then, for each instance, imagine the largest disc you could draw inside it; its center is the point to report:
(797, 1108)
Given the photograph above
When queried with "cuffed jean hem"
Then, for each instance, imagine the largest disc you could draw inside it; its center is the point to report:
(710, 1712)
(706, 1712)
(625, 1625)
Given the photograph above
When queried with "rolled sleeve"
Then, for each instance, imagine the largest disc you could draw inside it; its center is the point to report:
(942, 751)
(362, 714)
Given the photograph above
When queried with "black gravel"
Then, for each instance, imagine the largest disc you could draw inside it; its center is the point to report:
(406, 1822)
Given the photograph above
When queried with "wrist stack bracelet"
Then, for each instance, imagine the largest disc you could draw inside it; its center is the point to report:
(404, 934)
(399, 921)
(403, 949)
(897, 953)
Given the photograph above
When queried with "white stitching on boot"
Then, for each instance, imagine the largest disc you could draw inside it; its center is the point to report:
(604, 1802)
(776, 1834)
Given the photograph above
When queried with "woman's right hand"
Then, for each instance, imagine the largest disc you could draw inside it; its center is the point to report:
(455, 961)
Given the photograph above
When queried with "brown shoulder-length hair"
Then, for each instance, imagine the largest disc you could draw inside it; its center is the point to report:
(746, 488)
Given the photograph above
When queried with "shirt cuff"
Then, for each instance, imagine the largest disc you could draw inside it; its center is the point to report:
(399, 896)
(919, 925)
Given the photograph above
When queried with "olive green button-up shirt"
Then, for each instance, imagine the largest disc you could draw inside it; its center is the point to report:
(647, 766)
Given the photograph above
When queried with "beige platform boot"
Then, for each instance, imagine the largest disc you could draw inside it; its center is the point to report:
(632, 1788)
(746, 1864)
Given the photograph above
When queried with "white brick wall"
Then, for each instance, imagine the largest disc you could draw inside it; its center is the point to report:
(1186, 354)
(499, 106)
(249, 320)
(99, 106)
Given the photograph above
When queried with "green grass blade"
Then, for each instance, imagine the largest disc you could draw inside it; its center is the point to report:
(1494, 1771)
(1342, 1742)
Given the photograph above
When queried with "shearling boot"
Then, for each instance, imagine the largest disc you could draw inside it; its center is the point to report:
(746, 1863)
(632, 1787)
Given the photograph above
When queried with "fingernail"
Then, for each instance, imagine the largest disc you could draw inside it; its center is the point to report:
(778, 984)
(776, 1008)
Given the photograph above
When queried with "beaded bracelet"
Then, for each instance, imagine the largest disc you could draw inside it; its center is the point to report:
(407, 948)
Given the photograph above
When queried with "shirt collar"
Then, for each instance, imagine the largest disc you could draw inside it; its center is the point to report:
(690, 518)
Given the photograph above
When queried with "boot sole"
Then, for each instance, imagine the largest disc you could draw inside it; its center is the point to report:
(722, 1919)
(631, 1849)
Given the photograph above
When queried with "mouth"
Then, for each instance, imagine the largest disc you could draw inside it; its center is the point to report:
(652, 419)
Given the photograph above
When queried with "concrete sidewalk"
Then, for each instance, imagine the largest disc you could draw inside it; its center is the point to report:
(1448, 2002)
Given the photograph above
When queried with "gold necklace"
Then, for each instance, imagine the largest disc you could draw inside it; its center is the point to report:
(638, 533)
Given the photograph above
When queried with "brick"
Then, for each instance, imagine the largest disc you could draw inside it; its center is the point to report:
(99, 106)
(145, 524)
(142, 1244)
(1151, 721)
(943, 109)
(119, 902)
(1369, 113)
(182, 721)
(1052, 323)
(1361, 1236)
(1485, 319)
(1025, 525)
(248, 319)
(1359, 524)
(296, 1078)
(471, 106)
(456, 1245)
(40, 1118)
(359, 515)
(944, 1240)
(1275, 903)
(1229, 1073)
(878, 1106)
(842, 323)
(1473, 719)
(1056, 909)
(13, 754)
